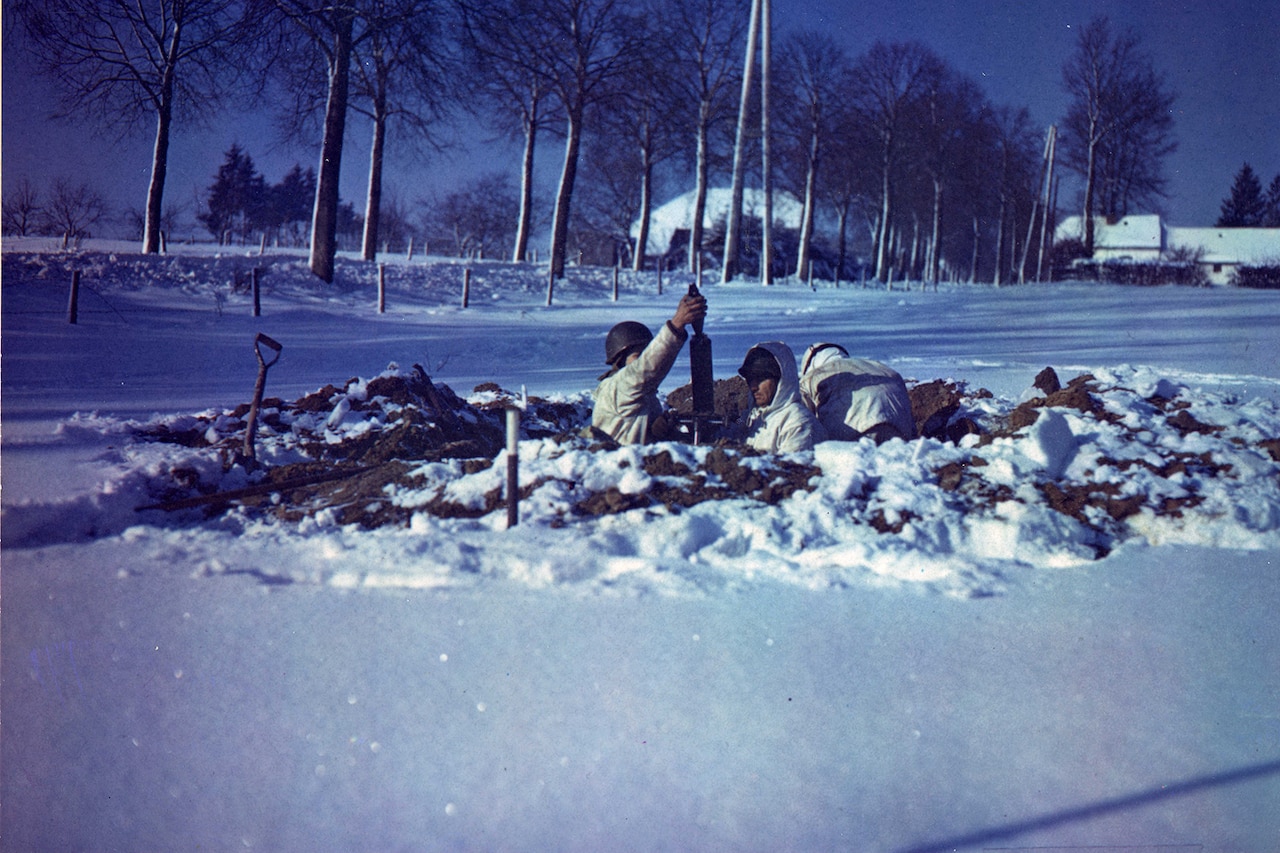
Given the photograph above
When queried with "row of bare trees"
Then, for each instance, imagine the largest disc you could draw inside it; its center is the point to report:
(639, 91)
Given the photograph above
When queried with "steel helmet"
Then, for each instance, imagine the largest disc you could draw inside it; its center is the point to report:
(623, 338)
(819, 354)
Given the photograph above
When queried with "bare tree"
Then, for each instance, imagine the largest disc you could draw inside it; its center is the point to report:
(589, 44)
(22, 210)
(851, 178)
(476, 219)
(1015, 141)
(1118, 124)
(887, 79)
(951, 112)
(703, 40)
(511, 78)
(331, 31)
(72, 210)
(814, 67)
(400, 68)
(123, 62)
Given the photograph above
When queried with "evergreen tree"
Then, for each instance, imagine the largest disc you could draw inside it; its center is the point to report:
(1245, 207)
(1271, 218)
(288, 206)
(237, 197)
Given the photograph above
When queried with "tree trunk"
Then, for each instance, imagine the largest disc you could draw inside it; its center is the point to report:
(1087, 224)
(733, 223)
(155, 191)
(810, 200)
(841, 241)
(560, 224)
(977, 240)
(766, 169)
(882, 233)
(373, 204)
(523, 225)
(999, 241)
(935, 238)
(700, 188)
(324, 220)
(160, 154)
(646, 209)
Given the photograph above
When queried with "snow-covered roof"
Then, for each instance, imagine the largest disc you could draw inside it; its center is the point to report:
(1131, 232)
(1147, 233)
(1229, 245)
(677, 214)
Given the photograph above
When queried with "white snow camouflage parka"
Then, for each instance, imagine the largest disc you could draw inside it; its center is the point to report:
(626, 400)
(852, 395)
(785, 425)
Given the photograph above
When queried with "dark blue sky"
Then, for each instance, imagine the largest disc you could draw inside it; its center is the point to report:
(1221, 57)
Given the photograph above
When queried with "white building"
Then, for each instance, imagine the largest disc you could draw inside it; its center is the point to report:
(1146, 238)
(677, 215)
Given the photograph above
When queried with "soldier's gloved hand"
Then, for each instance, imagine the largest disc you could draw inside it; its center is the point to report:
(690, 310)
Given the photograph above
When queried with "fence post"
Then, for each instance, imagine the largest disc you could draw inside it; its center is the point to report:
(257, 292)
(73, 301)
(615, 282)
(660, 265)
(410, 255)
(466, 286)
(382, 288)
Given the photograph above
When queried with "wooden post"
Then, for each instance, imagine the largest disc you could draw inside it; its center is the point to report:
(615, 283)
(660, 265)
(382, 288)
(257, 292)
(466, 286)
(513, 467)
(73, 301)
(262, 247)
(409, 257)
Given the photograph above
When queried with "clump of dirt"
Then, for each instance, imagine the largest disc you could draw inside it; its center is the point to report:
(724, 475)
(732, 398)
(539, 417)
(1078, 395)
(1047, 381)
(934, 406)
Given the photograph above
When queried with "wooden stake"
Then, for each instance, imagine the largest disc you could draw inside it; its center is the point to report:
(513, 467)
(73, 301)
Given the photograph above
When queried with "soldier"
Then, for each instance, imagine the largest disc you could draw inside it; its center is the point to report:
(627, 408)
(853, 397)
(779, 422)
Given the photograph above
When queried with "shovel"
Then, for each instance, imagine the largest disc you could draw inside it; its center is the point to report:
(259, 341)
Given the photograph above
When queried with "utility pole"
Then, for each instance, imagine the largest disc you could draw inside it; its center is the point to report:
(766, 179)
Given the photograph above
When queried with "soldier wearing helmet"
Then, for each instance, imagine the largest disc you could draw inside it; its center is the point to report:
(855, 397)
(627, 408)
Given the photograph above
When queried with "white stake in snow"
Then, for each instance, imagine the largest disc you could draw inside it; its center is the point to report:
(513, 472)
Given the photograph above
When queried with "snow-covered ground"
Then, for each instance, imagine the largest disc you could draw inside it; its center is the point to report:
(1059, 633)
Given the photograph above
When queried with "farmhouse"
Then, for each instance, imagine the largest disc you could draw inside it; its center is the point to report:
(669, 224)
(1218, 251)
